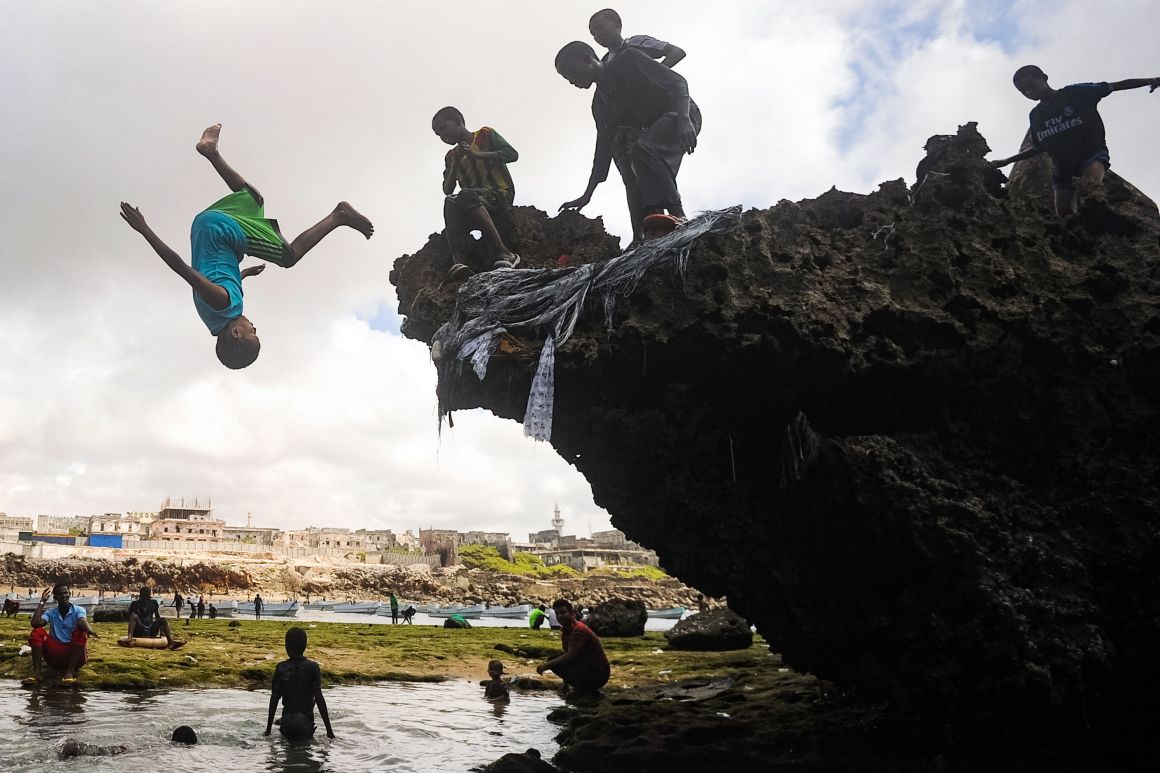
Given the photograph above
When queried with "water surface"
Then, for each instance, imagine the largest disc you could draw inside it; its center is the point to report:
(397, 727)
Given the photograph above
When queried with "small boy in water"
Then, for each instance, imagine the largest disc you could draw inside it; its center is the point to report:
(298, 685)
(478, 165)
(1066, 125)
(232, 227)
(496, 689)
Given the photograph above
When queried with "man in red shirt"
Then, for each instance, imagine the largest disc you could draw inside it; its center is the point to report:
(583, 666)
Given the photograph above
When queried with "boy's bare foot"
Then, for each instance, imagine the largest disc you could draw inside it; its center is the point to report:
(350, 216)
(208, 143)
(176, 645)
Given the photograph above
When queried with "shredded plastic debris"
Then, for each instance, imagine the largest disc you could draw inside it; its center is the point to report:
(549, 302)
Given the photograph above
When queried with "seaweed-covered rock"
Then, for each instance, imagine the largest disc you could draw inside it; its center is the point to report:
(914, 436)
(713, 631)
(618, 617)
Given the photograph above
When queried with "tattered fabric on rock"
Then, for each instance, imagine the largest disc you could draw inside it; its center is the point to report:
(533, 300)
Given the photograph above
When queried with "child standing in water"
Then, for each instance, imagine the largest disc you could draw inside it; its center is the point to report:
(230, 228)
(298, 685)
(496, 688)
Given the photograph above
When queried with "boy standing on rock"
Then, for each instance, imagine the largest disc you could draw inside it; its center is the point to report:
(607, 29)
(230, 228)
(478, 165)
(1066, 125)
(643, 114)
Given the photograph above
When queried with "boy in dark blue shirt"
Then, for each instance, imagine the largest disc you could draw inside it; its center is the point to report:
(1066, 125)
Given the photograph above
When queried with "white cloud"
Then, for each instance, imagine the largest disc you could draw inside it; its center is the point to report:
(110, 395)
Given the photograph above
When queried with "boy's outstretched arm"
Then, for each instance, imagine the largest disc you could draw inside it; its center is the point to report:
(1136, 83)
(601, 158)
(215, 295)
(1020, 156)
(322, 712)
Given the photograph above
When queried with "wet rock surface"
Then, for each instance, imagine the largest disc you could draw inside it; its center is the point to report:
(618, 617)
(527, 762)
(714, 631)
(965, 524)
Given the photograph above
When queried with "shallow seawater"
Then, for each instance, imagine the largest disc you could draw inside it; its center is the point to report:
(398, 727)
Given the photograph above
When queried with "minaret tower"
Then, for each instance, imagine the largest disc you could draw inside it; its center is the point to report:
(558, 520)
(249, 520)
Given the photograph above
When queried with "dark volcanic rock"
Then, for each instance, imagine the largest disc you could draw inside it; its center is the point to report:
(618, 617)
(714, 631)
(528, 762)
(978, 535)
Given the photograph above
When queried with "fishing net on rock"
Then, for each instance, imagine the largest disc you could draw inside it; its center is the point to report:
(550, 301)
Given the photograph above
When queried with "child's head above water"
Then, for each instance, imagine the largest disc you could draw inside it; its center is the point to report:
(449, 124)
(296, 642)
(184, 734)
(495, 669)
(238, 344)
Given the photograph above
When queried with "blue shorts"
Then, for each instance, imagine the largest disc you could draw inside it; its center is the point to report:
(1063, 175)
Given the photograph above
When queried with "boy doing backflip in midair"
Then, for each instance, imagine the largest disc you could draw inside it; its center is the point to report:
(230, 228)
(1066, 126)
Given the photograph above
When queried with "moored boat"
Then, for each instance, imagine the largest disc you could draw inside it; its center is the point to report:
(517, 612)
(672, 613)
(269, 609)
(357, 608)
(325, 606)
(469, 613)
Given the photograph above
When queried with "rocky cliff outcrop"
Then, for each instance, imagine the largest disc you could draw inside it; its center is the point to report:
(914, 436)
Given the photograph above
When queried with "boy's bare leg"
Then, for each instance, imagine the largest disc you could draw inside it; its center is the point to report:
(1095, 171)
(37, 660)
(481, 219)
(208, 147)
(343, 214)
(1066, 202)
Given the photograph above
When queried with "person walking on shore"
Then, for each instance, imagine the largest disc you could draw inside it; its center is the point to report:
(394, 609)
(178, 602)
(258, 606)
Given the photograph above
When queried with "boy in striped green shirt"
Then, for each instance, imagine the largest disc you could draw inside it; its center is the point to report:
(478, 166)
(230, 228)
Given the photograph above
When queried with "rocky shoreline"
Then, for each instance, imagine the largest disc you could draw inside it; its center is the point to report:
(277, 578)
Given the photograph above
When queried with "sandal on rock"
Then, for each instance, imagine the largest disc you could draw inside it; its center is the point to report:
(458, 271)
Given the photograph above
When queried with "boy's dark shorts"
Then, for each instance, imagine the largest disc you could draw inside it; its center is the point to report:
(470, 198)
(142, 631)
(1063, 174)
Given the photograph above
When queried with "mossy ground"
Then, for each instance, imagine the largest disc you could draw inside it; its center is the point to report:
(226, 653)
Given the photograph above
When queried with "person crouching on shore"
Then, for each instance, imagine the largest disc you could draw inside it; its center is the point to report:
(60, 636)
(583, 666)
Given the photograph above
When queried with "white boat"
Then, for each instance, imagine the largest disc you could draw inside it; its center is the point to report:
(510, 613)
(468, 613)
(227, 609)
(269, 609)
(358, 607)
(672, 613)
(325, 606)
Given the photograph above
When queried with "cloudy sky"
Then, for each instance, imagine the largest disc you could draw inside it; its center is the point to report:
(110, 395)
